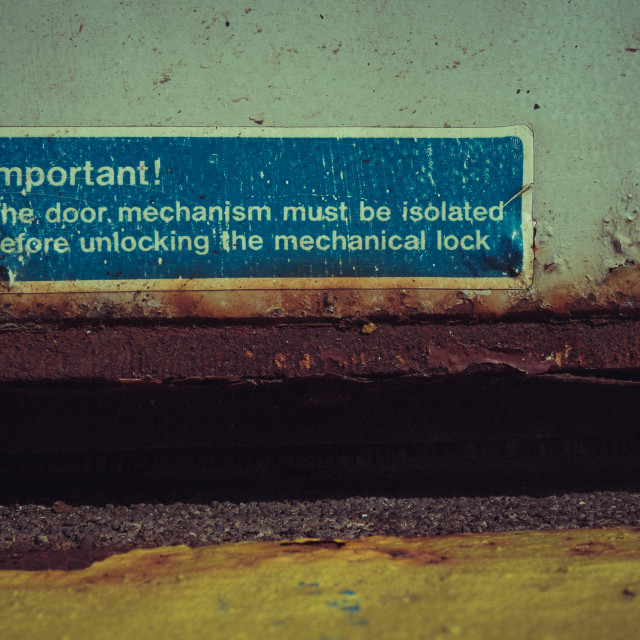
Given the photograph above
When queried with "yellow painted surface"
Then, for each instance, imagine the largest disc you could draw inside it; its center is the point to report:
(564, 584)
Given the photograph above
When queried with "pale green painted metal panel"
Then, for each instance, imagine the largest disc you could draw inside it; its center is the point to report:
(570, 70)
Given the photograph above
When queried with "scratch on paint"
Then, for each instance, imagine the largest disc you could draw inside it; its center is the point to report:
(522, 191)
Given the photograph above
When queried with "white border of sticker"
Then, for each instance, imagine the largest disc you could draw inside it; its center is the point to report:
(522, 281)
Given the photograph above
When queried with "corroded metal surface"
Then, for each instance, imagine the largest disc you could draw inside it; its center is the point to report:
(81, 388)
(168, 353)
(617, 293)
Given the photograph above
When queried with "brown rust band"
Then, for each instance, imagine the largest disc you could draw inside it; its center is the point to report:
(173, 353)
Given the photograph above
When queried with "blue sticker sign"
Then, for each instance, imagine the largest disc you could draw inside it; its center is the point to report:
(93, 209)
